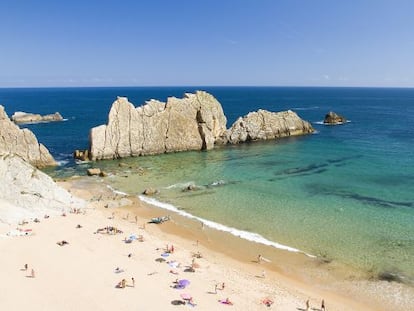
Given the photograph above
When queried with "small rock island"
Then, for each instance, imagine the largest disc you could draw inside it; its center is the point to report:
(20, 117)
(331, 118)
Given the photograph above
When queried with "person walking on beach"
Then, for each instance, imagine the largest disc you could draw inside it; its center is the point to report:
(323, 305)
(259, 258)
(133, 282)
(307, 305)
(32, 273)
(25, 267)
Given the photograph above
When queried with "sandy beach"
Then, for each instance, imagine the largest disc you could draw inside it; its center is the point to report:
(86, 272)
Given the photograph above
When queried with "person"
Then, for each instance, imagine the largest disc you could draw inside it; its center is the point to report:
(222, 286)
(307, 305)
(259, 258)
(191, 302)
(215, 289)
(32, 273)
(227, 301)
(136, 219)
(323, 305)
(133, 282)
(267, 302)
(263, 274)
(25, 267)
(123, 283)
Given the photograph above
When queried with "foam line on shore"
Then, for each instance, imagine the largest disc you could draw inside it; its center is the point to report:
(250, 236)
(116, 191)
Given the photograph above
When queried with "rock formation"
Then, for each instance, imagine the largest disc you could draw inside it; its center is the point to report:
(22, 142)
(192, 123)
(195, 122)
(332, 118)
(20, 117)
(263, 125)
(26, 192)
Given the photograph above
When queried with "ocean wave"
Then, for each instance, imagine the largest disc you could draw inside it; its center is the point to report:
(327, 124)
(181, 185)
(62, 162)
(246, 235)
(220, 182)
(305, 108)
(116, 191)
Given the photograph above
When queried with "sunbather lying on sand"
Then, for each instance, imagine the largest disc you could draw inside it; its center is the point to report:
(63, 242)
(226, 301)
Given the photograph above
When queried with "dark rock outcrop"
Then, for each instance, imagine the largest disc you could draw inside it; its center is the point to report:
(332, 118)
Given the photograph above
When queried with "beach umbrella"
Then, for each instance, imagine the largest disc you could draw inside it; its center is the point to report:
(184, 282)
(186, 296)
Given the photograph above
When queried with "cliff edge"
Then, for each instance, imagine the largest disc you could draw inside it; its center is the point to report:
(23, 143)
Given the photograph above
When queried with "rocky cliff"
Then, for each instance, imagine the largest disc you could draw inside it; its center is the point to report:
(263, 125)
(20, 117)
(22, 142)
(195, 122)
(191, 123)
(26, 192)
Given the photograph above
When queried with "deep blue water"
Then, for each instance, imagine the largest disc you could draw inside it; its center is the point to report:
(346, 193)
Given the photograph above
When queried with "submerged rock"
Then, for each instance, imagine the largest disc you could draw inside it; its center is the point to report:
(21, 117)
(150, 191)
(93, 171)
(23, 143)
(332, 118)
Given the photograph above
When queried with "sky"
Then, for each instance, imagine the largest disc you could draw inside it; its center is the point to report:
(206, 43)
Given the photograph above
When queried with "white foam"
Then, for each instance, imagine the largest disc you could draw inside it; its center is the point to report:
(62, 162)
(250, 236)
(327, 124)
(181, 185)
(116, 191)
(305, 108)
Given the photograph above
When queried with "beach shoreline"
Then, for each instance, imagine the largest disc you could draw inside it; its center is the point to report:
(225, 258)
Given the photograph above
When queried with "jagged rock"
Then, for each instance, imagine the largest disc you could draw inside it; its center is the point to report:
(195, 122)
(26, 192)
(21, 117)
(150, 191)
(82, 155)
(191, 123)
(93, 171)
(23, 143)
(263, 125)
(332, 118)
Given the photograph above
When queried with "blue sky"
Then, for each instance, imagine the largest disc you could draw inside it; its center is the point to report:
(197, 42)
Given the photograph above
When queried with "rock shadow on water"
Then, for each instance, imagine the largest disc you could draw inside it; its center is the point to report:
(317, 189)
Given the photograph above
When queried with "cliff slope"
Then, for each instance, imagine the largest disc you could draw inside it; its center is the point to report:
(22, 142)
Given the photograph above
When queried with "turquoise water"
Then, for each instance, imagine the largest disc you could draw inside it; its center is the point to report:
(345, 193)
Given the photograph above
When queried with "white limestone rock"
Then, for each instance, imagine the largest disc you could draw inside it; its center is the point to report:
(23, 143)
(27, 193)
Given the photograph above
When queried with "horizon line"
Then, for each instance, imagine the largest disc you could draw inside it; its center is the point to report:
(195, 86)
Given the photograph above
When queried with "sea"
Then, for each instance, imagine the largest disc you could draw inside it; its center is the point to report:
(344, 193)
